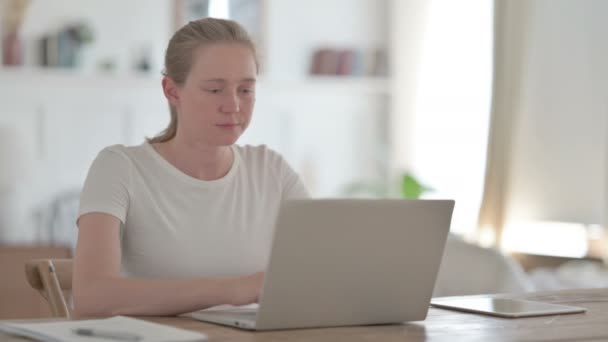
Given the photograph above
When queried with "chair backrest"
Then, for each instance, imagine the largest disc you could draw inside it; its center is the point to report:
(467, 269)
(52, 277)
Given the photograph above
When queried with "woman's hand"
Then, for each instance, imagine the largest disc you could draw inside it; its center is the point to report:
(247, 289)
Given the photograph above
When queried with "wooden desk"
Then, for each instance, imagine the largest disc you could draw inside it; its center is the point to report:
(441, 325)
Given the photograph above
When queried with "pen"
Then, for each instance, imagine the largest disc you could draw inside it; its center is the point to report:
(114, 335)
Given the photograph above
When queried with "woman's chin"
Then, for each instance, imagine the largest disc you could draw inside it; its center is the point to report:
(224, 137)
(227, 141)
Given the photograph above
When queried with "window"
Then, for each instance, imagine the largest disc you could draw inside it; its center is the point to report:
(452, 105)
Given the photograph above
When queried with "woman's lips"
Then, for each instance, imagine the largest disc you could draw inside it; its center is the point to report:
(228, 125)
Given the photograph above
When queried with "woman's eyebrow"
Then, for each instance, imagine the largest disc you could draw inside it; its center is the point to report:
(221, 80)
(216, 80)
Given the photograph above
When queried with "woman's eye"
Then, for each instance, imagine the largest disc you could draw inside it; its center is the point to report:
(214, 91)
(247, 91)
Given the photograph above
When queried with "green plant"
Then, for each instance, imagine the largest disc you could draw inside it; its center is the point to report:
(407, 186)
(411, 187)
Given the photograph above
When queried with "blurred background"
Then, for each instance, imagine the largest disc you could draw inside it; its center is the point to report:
(500, 105)
(79, 75)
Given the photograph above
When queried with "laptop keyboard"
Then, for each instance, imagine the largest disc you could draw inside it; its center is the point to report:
(241, 314)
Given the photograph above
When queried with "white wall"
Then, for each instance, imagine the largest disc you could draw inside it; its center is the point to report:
(328, 129)
(65, 119)
(559, 155)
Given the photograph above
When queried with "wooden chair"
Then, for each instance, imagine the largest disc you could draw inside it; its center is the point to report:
(52, 278)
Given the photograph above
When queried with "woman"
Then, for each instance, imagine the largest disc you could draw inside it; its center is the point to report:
(184, 221)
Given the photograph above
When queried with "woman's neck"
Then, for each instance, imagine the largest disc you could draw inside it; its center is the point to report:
(197, 160)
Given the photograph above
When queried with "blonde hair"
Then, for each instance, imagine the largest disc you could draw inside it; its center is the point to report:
(181, 49)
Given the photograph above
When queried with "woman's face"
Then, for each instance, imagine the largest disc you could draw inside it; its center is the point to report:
(216, 102)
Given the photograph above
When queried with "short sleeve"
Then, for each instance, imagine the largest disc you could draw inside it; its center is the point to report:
(293, 187)
(106, 188)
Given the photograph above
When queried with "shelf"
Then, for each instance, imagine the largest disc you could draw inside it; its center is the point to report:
(379, 85)
(73, 77)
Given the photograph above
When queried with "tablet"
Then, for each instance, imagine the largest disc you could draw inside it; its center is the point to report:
(504, 307)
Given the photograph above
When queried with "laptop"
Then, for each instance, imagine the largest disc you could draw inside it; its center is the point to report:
(342, 262)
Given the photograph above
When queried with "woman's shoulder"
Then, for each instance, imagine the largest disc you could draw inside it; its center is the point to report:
(119, 153)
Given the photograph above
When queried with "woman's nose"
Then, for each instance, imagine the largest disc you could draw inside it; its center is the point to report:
(230, 104)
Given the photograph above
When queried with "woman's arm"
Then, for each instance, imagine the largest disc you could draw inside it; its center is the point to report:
(100, 290)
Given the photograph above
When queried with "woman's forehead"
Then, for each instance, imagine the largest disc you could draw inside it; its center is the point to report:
(224, 57)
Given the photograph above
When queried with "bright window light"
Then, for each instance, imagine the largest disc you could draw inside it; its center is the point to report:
(452, 106)
(487, 236)
(546, 238)
(219, 9)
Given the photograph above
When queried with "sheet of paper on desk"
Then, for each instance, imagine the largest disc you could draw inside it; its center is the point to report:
(64, 331)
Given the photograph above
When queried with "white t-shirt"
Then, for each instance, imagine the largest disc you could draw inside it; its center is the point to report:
(177, 226)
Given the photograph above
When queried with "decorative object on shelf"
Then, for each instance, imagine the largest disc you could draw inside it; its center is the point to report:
(330, 61)
(12, 46)
(349, 62)
(142, 60)
(12, 49)
(107, 65)
(379, 65)
(63, 49)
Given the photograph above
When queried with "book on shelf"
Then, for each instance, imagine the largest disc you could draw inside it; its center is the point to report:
(349, 62)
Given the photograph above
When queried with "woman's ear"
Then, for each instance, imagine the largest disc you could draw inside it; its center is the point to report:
(171, 90)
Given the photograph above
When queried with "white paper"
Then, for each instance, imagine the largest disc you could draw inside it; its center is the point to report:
(64, 331)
